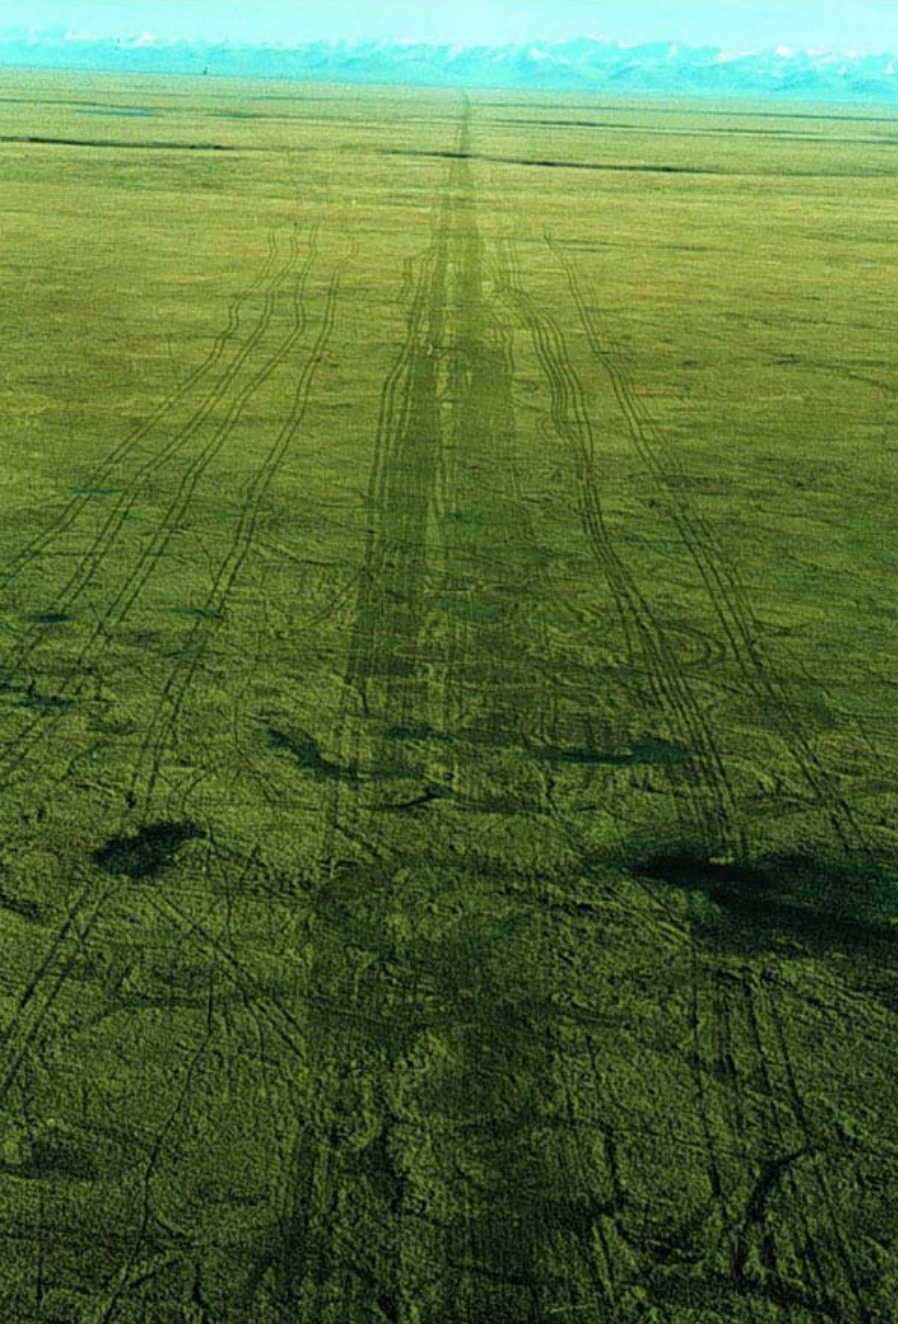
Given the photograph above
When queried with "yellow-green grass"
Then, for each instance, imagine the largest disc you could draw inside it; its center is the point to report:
(447, 707)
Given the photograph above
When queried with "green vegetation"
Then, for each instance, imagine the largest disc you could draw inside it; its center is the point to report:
(448, 852)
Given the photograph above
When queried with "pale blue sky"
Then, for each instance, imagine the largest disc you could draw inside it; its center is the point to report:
(862, 25)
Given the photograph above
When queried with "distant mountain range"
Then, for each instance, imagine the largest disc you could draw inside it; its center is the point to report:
(589, 64)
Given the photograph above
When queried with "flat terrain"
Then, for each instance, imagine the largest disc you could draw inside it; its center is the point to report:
(448, 720)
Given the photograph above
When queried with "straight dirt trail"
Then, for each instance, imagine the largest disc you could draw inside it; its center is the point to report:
(425, 1020)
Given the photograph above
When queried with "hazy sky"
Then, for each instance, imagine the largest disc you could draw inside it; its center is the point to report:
(862, 25)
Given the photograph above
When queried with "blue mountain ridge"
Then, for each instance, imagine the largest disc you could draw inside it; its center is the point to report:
(588, 64)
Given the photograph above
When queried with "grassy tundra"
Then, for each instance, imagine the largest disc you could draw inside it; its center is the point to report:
(447, 708)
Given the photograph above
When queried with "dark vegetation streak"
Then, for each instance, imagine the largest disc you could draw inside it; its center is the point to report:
(557, 165)
(423, 479)
(621, 167)
(23, 907)
(124, 146)
(741, 112)
(647, 752)
(820, 905)
(304, 750)
(730, 130)
(302, 1264)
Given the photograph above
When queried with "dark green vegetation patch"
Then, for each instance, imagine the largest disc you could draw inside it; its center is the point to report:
(145, 852)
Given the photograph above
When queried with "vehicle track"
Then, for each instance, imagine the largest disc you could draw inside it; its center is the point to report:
(747, 647)
(158, 462)
(668, 691)
(811, 1143)
(101, 475)
(486, 531)
(402, 482)
(51, 975)
(162, 729)
(308, 1267)
(445, 405)
(146, 564)
(488, 537)
(720, 578)
(789, 1139)
(36, 999)
(103, 1314)
(473, 1248)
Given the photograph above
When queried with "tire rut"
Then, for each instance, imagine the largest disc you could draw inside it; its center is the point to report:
(146, 564)
(667, 690)
(358, 1219)
(37, 999)
(720, 578)
(162, 729)
(102, 474)
(747, 647)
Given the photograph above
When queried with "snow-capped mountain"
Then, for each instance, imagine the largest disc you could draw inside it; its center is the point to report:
(587, 64)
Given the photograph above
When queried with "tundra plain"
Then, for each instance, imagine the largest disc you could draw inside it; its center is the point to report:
(448, 722)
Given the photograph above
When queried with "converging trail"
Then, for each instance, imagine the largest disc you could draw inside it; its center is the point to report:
(445, 693)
